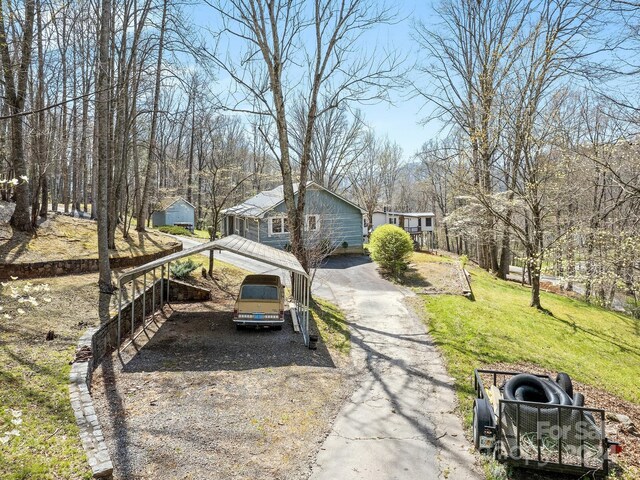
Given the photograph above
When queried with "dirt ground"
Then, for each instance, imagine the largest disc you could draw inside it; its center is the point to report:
(629, 438)
(195, 398)
(435, 275)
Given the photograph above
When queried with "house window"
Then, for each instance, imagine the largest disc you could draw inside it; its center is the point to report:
(427, 222)
(279, 225)
(312, 223)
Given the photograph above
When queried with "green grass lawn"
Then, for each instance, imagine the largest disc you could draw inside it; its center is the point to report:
(38, 433)
(595, 346)
(332, 325)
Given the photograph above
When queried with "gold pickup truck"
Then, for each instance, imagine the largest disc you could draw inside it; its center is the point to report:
(260, 302)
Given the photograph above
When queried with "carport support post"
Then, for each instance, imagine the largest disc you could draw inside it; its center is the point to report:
(144, 298)
(133, 304)
(162, 287)
(306, 310)
(119, 311)
(153, 296)
(168, 280)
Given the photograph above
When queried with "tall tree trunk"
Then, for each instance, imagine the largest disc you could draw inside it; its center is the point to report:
(102, 127)
(191, 153)
(40, 141)
(15, 91)
(65, 125)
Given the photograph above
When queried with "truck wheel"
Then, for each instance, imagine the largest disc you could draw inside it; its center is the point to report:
(481, 419)
(564, 380)
(276, 327)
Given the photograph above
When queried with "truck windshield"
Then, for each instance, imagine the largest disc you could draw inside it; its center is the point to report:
(259, 292)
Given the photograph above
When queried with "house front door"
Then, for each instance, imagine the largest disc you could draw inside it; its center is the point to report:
(229, 225)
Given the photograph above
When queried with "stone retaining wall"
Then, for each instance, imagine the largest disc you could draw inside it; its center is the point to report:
(75, 266)
(102, 340)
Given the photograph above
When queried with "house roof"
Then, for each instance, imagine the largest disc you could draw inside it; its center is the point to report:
(261, 203)
(413, 214)
(166, 202)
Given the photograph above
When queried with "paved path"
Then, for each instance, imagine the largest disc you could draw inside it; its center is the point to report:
(400, 421)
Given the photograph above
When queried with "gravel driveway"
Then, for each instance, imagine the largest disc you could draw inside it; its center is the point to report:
(201, 400)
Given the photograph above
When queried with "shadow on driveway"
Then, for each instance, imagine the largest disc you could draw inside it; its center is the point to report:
(195, 340)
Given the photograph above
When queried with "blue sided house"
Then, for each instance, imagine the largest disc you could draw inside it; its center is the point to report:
(329, 218)
(174, 211)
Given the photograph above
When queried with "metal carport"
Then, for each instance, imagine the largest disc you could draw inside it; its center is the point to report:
(234, 244)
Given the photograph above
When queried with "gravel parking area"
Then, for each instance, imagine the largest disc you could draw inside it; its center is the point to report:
(194, 398)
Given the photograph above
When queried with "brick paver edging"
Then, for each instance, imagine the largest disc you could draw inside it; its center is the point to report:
(82, 404)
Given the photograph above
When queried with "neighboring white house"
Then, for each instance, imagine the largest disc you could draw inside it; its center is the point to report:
(412, 222)
(379, 218)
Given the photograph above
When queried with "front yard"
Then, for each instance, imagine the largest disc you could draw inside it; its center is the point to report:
(38, 433)
(597, 347)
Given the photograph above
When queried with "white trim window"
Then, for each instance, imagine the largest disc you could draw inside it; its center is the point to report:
(278, 226)
(312, 223)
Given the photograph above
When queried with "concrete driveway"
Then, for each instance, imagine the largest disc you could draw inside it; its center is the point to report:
(400, 421)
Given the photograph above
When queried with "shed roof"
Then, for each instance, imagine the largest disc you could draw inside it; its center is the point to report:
(261, 203)
(166, 202)
(258, 205)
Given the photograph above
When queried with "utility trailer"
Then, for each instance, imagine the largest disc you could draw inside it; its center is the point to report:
(567, 439)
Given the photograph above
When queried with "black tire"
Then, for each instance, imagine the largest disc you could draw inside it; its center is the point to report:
(239, 327)
(578, 400)
(564, 380)
(276, 327)
(522, 386)
(481, 418)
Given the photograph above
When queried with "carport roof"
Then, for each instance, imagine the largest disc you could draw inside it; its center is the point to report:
(232, 243)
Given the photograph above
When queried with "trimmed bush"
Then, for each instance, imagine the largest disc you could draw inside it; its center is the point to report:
(391, 247)
(173, 230)
(182, 270)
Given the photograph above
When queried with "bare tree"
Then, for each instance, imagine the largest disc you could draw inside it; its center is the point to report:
(275, 54)
(438, 160)
(470, 57)
(368, 177)
(152, 151)
(104, 149)
(15, 75)
(338, 143)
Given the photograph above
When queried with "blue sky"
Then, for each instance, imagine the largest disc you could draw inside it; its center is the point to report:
(398, 121)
